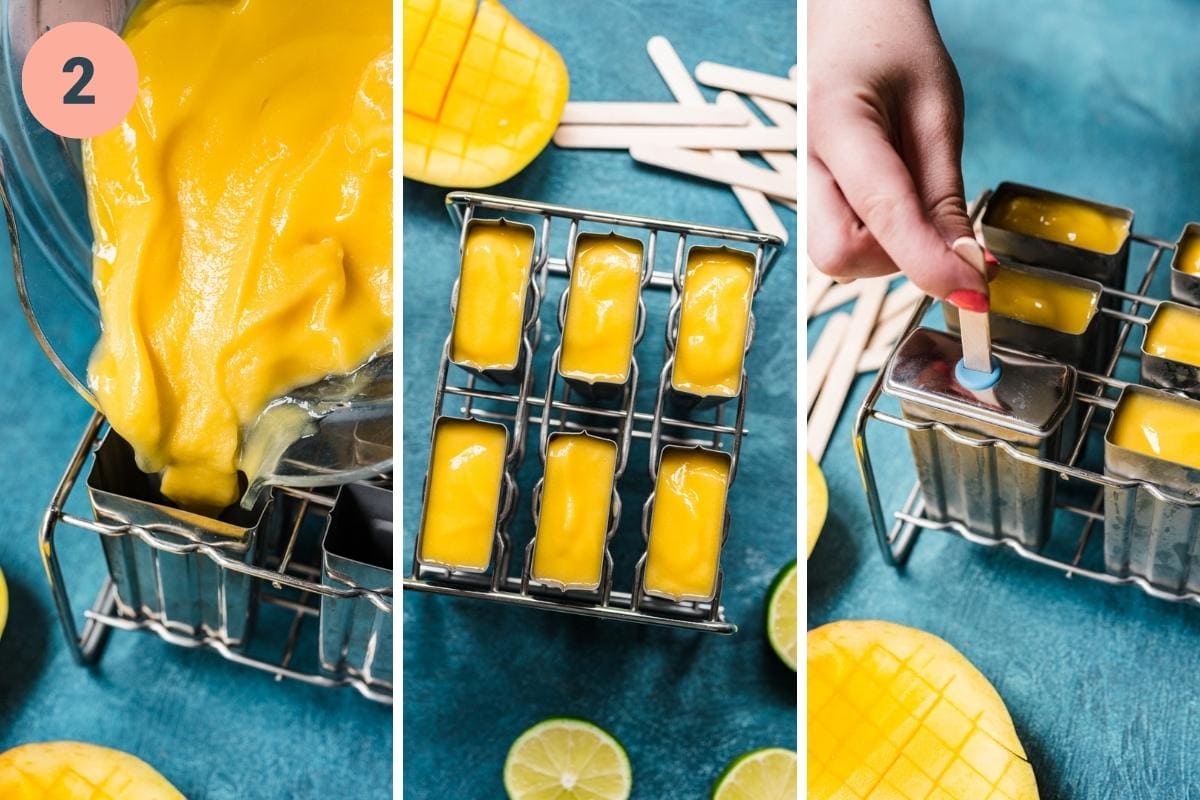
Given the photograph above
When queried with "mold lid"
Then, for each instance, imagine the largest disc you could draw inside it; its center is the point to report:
(1007, 192)
(1031, 398)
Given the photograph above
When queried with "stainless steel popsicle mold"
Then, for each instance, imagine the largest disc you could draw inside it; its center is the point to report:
(184, 592)
(1152, 531)
(1185, 286)
(1107, 268)
(356, 632)
(991, 493)
(1085, 350)
(539, 406)
(682, 398)
(1115, 520)
(529, 313)
(194, 582)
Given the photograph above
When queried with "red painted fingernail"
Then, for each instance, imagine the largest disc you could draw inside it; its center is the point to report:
(989, 258)
(969, 300)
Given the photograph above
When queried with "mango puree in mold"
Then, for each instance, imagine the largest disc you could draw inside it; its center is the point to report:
(242, 217)
(1060, 220)
(1041, 301)
(717, 286)
(576, 499)
(1159, 426)
(1188, 258)
(462, 501)
(1174, 334)
(601, 321)
(490, 311)
(686, 524)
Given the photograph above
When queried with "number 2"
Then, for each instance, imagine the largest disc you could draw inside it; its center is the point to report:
(87, 70)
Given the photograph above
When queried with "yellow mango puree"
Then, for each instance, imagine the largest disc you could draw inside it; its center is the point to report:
(466, 471)
(1060, 220)
(1158, 425)
(602, 307)
(573, 523)
(490, 313)
(717, 288)
(1174, 333)
(242, 217)
(686, 524)
(1042, 301)
(1187, 259)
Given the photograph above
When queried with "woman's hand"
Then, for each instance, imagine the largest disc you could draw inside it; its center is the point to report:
(885, 113)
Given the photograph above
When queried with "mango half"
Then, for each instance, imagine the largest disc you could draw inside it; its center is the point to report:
(482, 93)
(895, 712)
(78, 771)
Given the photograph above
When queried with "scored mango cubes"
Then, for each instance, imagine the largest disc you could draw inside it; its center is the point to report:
(895, 712)
(482, 93)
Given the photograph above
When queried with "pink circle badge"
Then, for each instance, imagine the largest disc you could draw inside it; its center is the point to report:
(79, 79)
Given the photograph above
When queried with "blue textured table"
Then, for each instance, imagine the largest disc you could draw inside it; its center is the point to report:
(1100, 100)
(477, 674)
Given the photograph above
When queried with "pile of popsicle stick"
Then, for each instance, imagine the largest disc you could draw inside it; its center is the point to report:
(703, 139)
(852, 342)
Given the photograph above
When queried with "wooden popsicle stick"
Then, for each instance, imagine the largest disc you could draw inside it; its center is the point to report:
(901, 300)
(818, 284)
(781, 114)
(687, 93)
(887, 330)
(704, 165)
(789, 203)
(673, 72)
(824, 416)
(747, 81)
(699, 137)
(756, 204)
(780, 162)
(793, 72)
(837, 295)
(636, 113)
(819, 361)
(974, 323)
(873, 360)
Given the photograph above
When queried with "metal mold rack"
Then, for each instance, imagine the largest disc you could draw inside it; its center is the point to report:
(286, 582)
(566, 410)
(1071, 552)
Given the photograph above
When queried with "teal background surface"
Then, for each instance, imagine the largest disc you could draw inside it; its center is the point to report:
(1097, 99)
(476, 674)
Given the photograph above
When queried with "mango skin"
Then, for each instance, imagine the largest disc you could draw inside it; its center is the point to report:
(79, 771)
(482, 93)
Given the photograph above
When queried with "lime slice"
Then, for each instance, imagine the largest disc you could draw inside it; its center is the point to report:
(3, 603)
(567, 759)
(781, 615)
(818, 503)
(767, 774)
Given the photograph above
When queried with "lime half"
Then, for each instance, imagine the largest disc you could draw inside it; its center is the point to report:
(567, 759)
(781, 615)
(768, 774)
